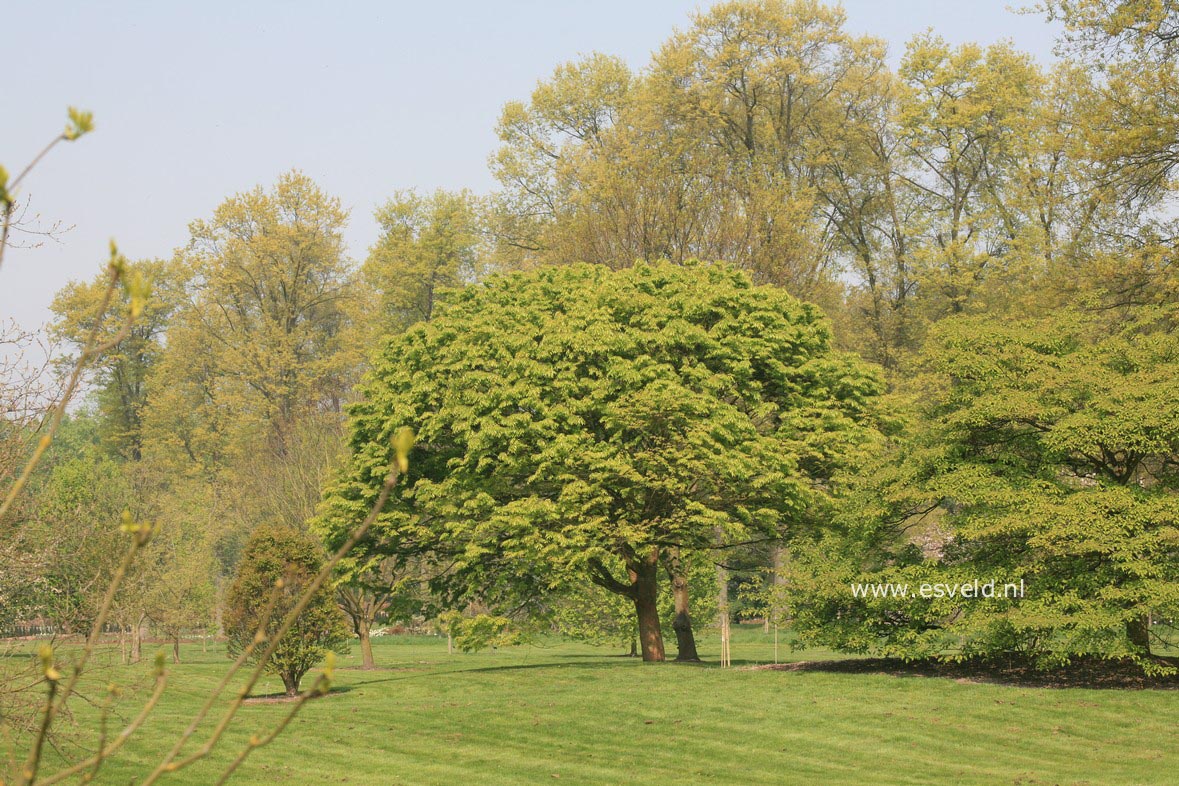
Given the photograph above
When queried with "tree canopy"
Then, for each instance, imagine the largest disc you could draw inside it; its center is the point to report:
(576, 423)
(1049, 458)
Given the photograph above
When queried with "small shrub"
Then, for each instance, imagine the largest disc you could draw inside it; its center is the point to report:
(271, 554)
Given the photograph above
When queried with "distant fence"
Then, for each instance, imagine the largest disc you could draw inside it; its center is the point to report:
(28, 631)
(24, 630)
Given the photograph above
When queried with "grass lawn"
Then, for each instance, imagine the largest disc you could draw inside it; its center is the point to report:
(580, 714)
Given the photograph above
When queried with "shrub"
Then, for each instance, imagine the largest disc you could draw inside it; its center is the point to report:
(275, 554)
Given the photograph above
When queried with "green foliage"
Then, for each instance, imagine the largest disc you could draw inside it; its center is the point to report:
(261, 338)
(596, 615)
(71, 543)
(691, 158)
(1147, 27)
(280, 562)
(475, 632)
(80, 123)
(576, 418)
(960, 118)
(1134, 46)
(121, 374)
(1049, 457)
(427, 244)
(176, 582)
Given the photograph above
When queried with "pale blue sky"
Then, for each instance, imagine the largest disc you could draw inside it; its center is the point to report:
(196, 101)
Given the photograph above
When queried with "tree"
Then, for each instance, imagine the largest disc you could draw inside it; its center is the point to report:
(1146, 26)
(121, 374)
(181, 595)
(577, 424)
(57, 675)
(1049, 458)
(959, 118)
(1133, 45)
(590, 613)
(26, 397)
(598, 616)
(754, 92)
(71, 541)
(362, 606)
(242, 417)
(1130, 131)
(714, 152)
(563, 122)
(377, 587)
(682, 620)
(261, 338)
(283, 558)
(427, 244)
(968, 184)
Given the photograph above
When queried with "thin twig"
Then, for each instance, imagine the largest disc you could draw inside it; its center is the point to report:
(319, 688)
(30, 770)
(10, 205)
(203, 712)
(93, 349)
(117, 742)
(170, 764)
(56, 705)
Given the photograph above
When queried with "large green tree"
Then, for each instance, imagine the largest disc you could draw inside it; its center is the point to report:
(578, 424)
(1046, 454)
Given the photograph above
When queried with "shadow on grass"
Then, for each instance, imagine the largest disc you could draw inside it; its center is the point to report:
(1094, 673)
(283, 698)
(431, 673)
(559, 662)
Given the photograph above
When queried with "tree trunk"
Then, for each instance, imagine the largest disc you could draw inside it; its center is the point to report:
(722, 604)
(290, 683)
(363, 629)
(634, 648)
(137, 641)
(644, 575)
(361, 607)
(1138, 633)
(643, 590)
(176, 648)
(775, 599)
(682, 623)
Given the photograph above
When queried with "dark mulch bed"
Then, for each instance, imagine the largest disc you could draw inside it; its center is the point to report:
(1081, 673)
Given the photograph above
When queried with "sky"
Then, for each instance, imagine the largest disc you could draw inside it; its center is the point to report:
(197, 101)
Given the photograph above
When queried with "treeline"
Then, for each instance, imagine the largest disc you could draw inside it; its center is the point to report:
(997, 235)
